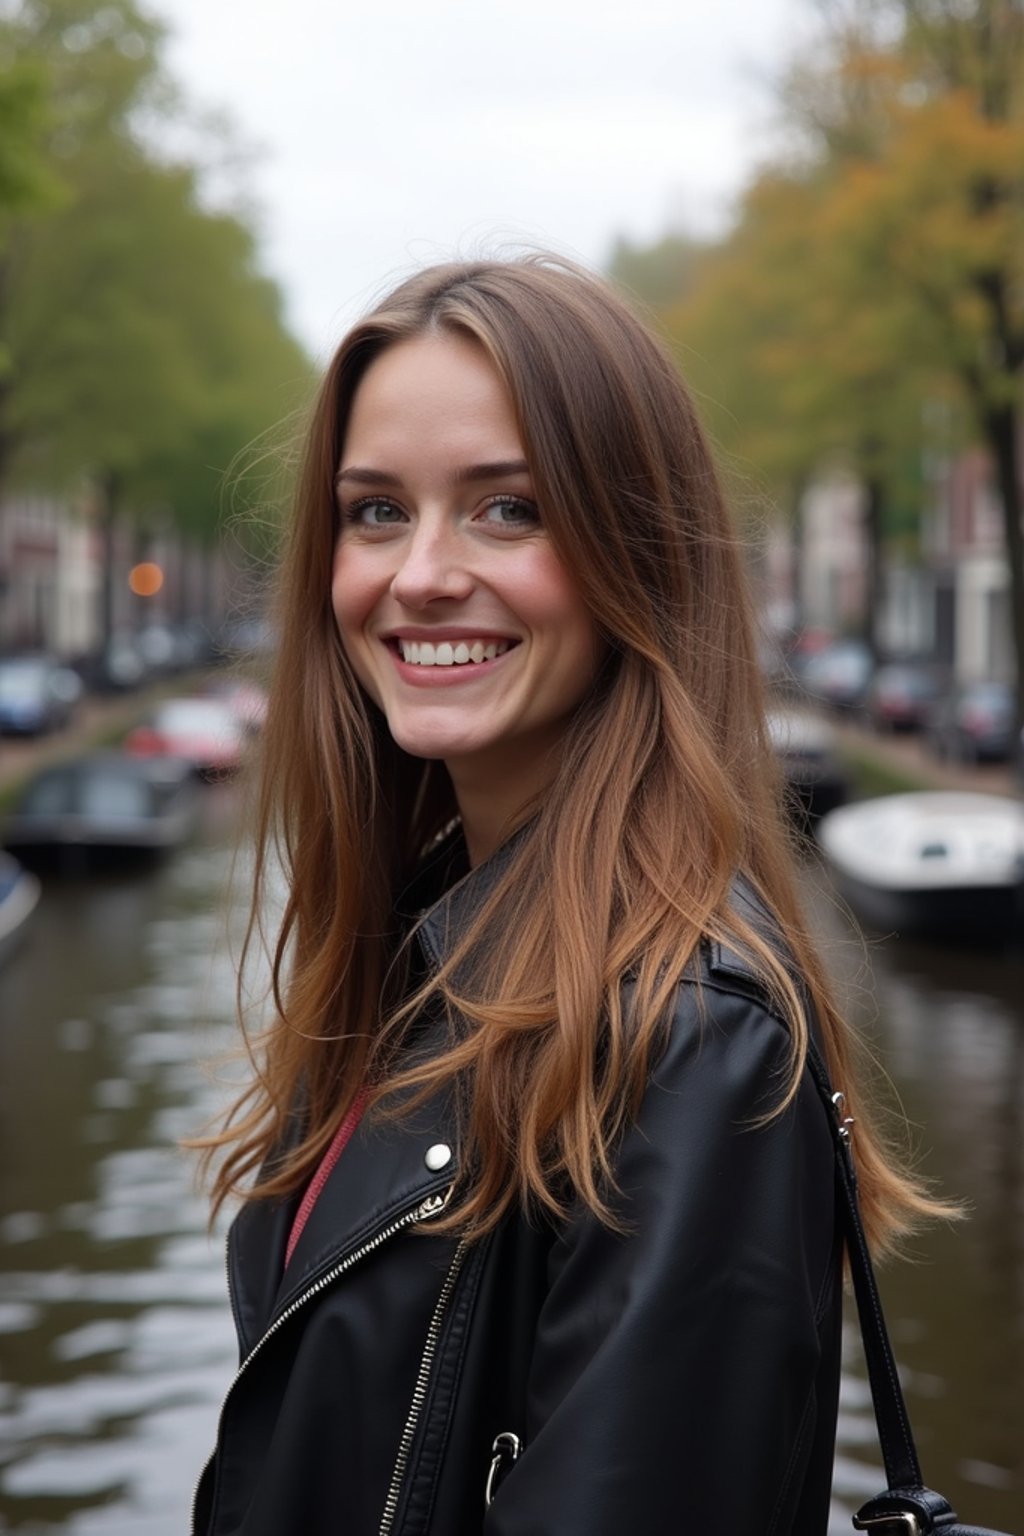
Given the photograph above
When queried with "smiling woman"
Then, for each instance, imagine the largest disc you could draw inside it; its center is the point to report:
(455, 609)
(538, 1230)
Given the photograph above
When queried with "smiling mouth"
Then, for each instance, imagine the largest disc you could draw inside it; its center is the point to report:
(450, 653)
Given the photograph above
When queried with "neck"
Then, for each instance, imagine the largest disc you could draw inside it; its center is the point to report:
(493, 796)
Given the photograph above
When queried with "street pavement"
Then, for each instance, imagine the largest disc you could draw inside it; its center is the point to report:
(907, 753)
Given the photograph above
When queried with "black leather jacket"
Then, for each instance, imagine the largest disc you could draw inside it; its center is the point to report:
(682, 1378)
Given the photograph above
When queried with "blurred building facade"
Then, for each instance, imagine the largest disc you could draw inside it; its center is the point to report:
(965, 552)
(952, 603)
(52, 563)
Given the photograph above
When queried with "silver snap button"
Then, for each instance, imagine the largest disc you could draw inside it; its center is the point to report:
(438, 1157)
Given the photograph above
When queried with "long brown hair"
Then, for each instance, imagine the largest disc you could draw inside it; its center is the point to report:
(665, 789)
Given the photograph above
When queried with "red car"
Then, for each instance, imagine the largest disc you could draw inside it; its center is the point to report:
(206, 732)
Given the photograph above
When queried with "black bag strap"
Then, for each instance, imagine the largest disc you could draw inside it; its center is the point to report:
(907, 1507)
(899, 1452)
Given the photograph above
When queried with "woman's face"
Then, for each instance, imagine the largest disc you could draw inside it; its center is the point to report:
(456, 613)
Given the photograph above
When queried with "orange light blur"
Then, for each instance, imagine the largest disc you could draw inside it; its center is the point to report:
(145, 579)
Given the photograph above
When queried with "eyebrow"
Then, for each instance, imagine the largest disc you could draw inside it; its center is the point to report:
(501, 469)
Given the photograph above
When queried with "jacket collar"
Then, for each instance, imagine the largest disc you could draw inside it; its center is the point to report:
(442, 924)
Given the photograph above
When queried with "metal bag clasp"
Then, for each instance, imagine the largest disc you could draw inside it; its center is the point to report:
(506, 1450)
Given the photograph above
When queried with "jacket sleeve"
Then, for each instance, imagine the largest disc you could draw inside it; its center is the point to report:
(684, 1373)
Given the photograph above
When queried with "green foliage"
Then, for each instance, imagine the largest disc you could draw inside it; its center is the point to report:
(873, 282)
(24, 177)
(144, 347)
(659, 275)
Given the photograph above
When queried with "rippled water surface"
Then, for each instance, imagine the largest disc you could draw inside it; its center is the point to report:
(115, 1338)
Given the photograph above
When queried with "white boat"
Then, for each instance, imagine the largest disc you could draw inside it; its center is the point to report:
(19, 892)
(937, 864)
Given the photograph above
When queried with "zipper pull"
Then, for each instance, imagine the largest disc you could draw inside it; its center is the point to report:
(433, 1205)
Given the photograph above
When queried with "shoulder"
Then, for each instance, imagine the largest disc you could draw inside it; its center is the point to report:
(729, 1115)
(727, 1025)
(722, 965)
(725, 965)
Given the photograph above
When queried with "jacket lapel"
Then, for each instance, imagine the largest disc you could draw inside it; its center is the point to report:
(383, 1173)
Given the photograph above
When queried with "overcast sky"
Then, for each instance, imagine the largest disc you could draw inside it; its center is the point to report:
(394, 132)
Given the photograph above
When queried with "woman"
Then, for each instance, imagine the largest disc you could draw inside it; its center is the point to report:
(542, 1236)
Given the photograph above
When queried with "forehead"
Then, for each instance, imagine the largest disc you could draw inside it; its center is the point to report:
(438, 391)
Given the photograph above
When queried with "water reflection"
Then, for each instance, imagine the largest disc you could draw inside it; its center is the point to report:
(116, 1341)
(115, 1334)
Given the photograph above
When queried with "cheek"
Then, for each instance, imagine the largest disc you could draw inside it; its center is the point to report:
(552, 603)
(350, 596)
(352, 602)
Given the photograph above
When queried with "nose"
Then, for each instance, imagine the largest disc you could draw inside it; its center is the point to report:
(433, 566)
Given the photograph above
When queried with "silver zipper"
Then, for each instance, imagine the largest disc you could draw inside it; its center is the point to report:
(420, 1390)
(431, 1206)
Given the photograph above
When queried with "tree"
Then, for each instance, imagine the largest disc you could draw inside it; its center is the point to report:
(921, 114)
(878, 266)
(788, 379)
(145, 348)
(660, 274)
(24, 180)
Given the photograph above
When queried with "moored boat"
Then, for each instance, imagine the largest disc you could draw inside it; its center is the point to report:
(105, 807)
(937, 864)
(805, 747)
(19, 893)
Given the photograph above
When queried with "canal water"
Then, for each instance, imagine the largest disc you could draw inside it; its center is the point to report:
(115, 1338)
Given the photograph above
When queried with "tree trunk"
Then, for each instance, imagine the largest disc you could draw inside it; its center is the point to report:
(798, 548)
(1004, 440)
(874, 520)
(109, 485)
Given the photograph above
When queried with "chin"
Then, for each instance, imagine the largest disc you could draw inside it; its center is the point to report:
(442, 752)
(438, 745)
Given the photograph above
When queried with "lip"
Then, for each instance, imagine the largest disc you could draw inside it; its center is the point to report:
(451, 632)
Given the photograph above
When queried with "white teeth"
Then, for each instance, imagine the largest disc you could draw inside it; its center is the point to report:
(421, 653)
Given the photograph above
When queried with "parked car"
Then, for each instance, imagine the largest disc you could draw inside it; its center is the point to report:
(246, 700)
(241, 637)
(840, 673)
(902, 695)
(113, 667)
(974, 723)
(206, 732)
(158, 647)
(37, 694)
